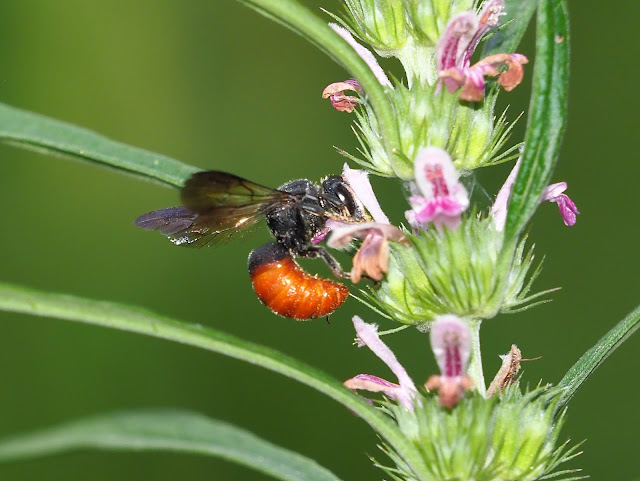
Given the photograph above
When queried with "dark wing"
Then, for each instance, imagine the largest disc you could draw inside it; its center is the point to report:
(177, 223)
(217, 205)
(204, 191)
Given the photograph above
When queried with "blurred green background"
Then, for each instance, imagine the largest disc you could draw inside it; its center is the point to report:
(218, 86)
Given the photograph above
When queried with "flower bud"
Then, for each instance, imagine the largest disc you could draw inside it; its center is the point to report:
(380, 23)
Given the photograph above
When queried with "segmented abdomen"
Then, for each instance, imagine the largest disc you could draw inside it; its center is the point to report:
(282, 285)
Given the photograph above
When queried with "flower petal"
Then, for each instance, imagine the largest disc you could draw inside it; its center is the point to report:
(372, 258)
(342, 235)
(435, 172)
(457, 35)
(510, 78)
(371, 383)
(471, 79)
(340, 101)
(359, 181)
(451, 345)
(489, 17)
(552, 193)
(443, 198)
(463, 33)
(450, 390)
(568, 210)
(368, 334)
(340, 87)
(553, 190)
(499, 207)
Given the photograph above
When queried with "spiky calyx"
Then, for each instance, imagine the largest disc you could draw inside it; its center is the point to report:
(513, 436)
(431, 116)
(467, 272)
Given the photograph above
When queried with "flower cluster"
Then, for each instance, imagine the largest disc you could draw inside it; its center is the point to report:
(451, 266)
(461, 434)
(428, 114)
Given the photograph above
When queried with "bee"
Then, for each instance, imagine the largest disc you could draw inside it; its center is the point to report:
(217, 205)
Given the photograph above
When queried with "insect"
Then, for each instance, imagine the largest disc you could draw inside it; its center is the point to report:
(217, 205)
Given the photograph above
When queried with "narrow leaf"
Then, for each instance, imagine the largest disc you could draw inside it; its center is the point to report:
(547, 114)
(517, 18)
(166, 430)
(36, 132)
(595, 356)
(142, 321)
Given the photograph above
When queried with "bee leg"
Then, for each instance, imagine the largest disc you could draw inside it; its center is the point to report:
(334, 265)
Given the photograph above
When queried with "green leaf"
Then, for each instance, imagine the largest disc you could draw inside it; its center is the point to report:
(547, 115)
(301, 20)
(595, 356)
(166, 430)
(42, 134)
(517, 18)
(142, 321)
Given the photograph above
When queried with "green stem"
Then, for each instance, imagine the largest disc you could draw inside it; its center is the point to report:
(132, 319)
(301, 20)
(475, 364)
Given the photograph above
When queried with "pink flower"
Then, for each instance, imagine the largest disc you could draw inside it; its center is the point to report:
(499, 208)
(372, 257)
(404, 391)
(359, 182)
(336, 91)
(471, 79)
(457, 44)
(451, 345)
(568, 210)
(340, 101)
(443, 198)
(463, 34)
(552, 193)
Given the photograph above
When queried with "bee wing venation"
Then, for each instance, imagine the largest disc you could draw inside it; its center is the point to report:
(168, 221)
(217, 205)
(211, 189)
(186, 228)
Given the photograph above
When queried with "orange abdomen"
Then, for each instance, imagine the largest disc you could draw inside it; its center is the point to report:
(287, 290)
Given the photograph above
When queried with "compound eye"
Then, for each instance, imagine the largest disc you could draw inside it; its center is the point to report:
(347, 198)
(340, 190)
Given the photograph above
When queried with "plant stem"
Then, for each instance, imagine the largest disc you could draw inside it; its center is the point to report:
(475, 365)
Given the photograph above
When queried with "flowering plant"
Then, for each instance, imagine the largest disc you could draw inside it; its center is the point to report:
(453, 264)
